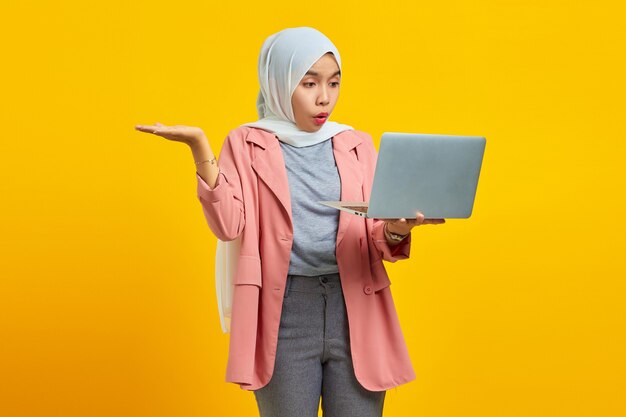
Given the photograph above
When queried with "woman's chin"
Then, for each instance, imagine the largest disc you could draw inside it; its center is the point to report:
(309, 127)
(313, 128)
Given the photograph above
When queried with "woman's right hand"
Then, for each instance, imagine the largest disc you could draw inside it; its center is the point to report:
(178, 133)
(203, 155)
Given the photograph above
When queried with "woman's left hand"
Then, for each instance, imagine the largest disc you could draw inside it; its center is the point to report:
(403, 226)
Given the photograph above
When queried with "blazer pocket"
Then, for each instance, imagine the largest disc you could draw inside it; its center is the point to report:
(377, 273)
(380, 279)
(248, 271)
(381, 284)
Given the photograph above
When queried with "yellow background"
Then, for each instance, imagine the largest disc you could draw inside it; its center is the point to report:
(108, 303)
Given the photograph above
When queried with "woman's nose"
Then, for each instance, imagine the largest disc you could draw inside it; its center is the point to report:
(323, 97)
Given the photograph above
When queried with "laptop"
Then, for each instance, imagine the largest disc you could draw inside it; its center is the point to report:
(436, 175)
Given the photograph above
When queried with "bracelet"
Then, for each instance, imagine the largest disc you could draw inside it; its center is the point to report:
(393, 236)
(212, 161)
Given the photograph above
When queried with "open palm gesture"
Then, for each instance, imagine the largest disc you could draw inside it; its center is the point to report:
(177, 133)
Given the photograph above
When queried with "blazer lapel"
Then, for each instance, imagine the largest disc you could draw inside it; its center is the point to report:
(344, 145)
(270, 167)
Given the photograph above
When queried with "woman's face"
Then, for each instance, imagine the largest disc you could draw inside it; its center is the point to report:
(316, 93)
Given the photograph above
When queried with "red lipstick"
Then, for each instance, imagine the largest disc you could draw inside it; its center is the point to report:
(320, 118)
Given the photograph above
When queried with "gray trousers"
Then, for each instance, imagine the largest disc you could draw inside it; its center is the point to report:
(313, 356)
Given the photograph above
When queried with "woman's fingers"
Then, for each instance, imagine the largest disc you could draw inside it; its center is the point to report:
(403, 226)
(419, 220)
(149, 128)
(434, 221)
(163, 131)
(158, 129)
(178, 133)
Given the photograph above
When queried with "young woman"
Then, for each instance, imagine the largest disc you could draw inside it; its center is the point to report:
(312, 311)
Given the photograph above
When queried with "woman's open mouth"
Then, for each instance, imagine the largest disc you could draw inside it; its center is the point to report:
(320, 119)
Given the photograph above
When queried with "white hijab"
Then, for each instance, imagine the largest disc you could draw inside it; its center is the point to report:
(285, 57)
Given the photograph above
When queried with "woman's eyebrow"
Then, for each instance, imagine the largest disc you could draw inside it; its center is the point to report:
(316, 74)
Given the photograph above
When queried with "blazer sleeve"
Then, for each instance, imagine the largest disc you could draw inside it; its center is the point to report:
(223, 206)
(390, 253)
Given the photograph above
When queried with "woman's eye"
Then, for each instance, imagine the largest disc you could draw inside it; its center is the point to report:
(311, 84)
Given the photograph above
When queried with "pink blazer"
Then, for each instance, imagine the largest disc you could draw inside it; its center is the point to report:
(251, 199)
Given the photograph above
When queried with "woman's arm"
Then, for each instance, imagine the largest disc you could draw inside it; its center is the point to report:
(390, 252)
(389, 249)
(209, 170)
(219, 189)
(386, 249)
